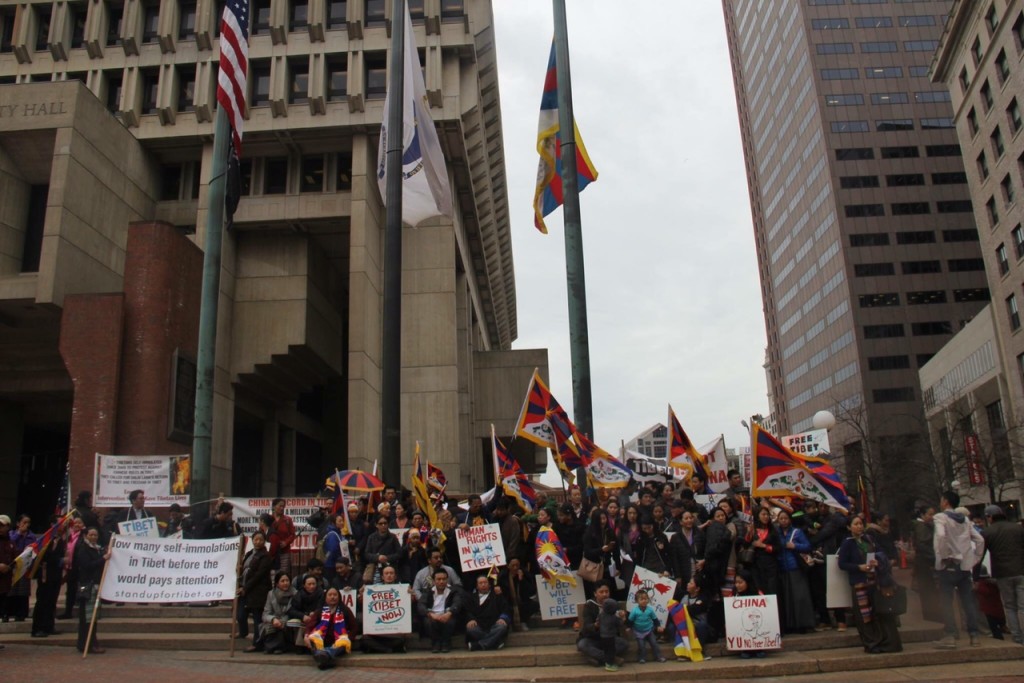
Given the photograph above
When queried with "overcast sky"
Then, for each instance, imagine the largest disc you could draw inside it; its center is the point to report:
(673, 295)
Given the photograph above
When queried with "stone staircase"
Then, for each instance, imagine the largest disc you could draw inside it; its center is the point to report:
(544, 653)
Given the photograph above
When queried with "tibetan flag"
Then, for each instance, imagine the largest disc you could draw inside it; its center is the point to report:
(566, 452)
(865, 508)
(437, 482)
(603, 469)
(425, 189)
(548, 196)
(534, 420)
(778, 471)
(682, 453)
(511, 476)
(687, 643)
(551, 558)
(420, 493)
(28, 561)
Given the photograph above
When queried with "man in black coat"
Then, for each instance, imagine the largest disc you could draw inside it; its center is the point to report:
(49, 576)
(440, 610)
(487, 617)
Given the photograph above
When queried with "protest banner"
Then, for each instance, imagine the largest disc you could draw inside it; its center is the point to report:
(165, 479)
(813, 443)
(348, 598)
(164, 570)
(558, 599)
(248, 511)
(139, 527)
(480, 547)
(752, 623)
(387, 609)
(660, 590)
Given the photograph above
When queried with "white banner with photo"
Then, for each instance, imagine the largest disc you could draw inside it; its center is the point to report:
(162, 570)
(165, 479)
(248, 511)
(752, 623)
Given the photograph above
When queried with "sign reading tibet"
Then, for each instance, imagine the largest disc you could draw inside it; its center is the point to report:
(559, 599)
(752, 623)
(480, 547)
(387, 609)
(170, 570)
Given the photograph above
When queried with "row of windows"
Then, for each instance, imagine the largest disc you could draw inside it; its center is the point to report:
(916, 267)
(877, 46)
(978, 52)
(1002, 259)
(267, 176)
(907, 208)
(889, 125)
(873, 22)
(903, 152)
(902, 180)
(881, 239)
(893, 330)
(885, 98)
(851, 74)
(923, 298)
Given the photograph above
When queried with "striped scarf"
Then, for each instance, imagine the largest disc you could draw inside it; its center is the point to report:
(862, 594)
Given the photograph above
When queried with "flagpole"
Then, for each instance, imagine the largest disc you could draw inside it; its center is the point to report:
(579, 340)
(202, 438)
(391, 342)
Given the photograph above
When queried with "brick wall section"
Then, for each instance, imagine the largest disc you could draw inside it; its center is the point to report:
(163, 284)
(90, 343)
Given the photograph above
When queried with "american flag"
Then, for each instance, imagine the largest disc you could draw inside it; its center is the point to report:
(234, 64)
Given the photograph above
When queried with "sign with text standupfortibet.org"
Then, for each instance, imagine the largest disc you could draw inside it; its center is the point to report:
(170, 570)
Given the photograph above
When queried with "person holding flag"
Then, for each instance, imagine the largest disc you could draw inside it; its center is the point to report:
(552, 561)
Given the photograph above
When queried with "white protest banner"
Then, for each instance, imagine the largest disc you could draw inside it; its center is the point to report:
(348, 598)
(813, 443)
(480, 547)
(387, 609)
(139, 527)
(248, 511)
(660, 590)
(837, 583)
(165, 479)
(752, 623)
(170, 570)
(558, 599)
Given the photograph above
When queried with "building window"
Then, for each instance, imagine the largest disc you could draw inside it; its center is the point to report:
(873, 22)
(1012, 312)
(344, 177)
(374, 12)
(1018, 31)
(869, 239)
(259, 74)
(299, 18)
(904, 179)
(949, 178)
(885, 125)
(150, 22)
(1002, 66)
(976, 52)
(1018, 241)
(943, 150)
(937, 123)
(922, 298)
(917, 20)
(850, 182)
(850, 127)
(965, 265)
(150, 80)
(376, 75)
(186, 88)
(982, 165)
(920, 45)
(965, 79)
(878, 46)
(260, 17)
(972, 121)
(114, 25)
(843, 100)
(115, 80)
(879, 300)
(910, 208)
(893, 395)
(932, 96)
(839, 74)
(888, 362)
(854, 153)
(452, 9)
(884, 72)
(992, 18)
(993, 212)
(1007, 187)
(312, 179)
(828, 24)
(275, 176)
(337, 78)
(986, 95)
(76, 14)
(889, 98)
(298, 92)
(884, 331)
(187, 21)
(834, 48)
(915, 237)
(997, 142)
(1013, 115)
(873, 269)
(1002, 260)
(931, 329)
(864, 210)
(962, 296)
(920, 267)
(44, 13)
(337, 13)
(6, 30)
(900, 153)
(33, 247)
(963, 235)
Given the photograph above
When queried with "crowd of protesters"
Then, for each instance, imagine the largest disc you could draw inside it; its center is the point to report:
(736, 546)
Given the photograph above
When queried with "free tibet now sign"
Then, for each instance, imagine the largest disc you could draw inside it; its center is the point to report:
(387, 609)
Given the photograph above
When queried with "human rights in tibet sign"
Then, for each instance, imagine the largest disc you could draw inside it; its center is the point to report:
(170, 570)
(480, 547)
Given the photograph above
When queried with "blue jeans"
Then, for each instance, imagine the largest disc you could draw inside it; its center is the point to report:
(1011, 592)
(960, 581)
(649, 638)
(487, 640)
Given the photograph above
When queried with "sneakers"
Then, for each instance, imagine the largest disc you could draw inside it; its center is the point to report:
(945, 643)
(641, 661)
(662, 659)
(469, 645)
(840, 627)
(822, 627)
(435, 647)
(611, 667)
(975, 641)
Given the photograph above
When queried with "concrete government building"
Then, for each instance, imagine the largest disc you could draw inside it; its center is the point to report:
(865, 231)
(106, 122)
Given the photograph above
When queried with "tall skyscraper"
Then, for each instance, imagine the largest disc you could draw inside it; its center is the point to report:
(866, 242)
